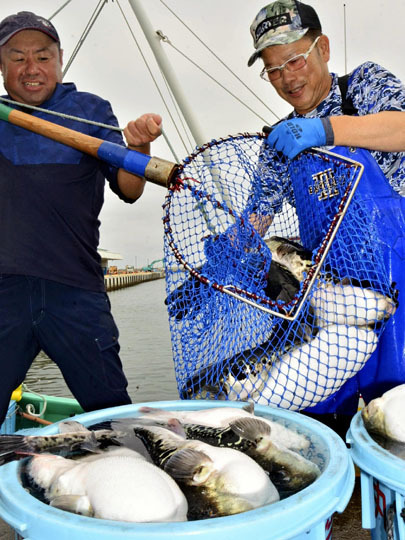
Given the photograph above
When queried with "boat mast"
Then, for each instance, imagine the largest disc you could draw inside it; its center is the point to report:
(154, 41)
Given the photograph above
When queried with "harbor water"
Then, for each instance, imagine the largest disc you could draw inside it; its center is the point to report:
(141, 316)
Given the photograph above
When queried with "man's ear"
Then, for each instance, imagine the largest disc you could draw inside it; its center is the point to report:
(324, 47)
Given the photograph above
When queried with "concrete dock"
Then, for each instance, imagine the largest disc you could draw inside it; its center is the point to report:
(119, 281)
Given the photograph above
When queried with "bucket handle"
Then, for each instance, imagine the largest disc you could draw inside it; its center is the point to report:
(16, 524)
(399, 506)
(368, 520)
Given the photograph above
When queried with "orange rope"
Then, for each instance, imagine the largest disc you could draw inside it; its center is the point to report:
(34, 418)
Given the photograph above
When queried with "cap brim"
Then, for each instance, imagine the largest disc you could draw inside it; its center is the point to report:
(279, 39)
(12, 34)
(4, 40)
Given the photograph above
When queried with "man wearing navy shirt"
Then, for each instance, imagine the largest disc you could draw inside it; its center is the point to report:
(52, 294)
(368, 111)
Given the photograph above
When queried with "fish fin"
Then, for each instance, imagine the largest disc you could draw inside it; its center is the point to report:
(71, 426)
(175, 425)
(289, 246)
(105, 424)
(127, 425)
(249, 407)
(123, 424)
(78, 504)
(11, 446)
(189, 465)
(146, 409)
(92, 444)
(252, 429)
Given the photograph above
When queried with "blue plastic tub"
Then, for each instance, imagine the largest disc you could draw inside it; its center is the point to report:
(382, 484)
(306, 515)
(8, 426)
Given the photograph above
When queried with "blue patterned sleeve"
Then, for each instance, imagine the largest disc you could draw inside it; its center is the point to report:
(272, 185)
(374, 89)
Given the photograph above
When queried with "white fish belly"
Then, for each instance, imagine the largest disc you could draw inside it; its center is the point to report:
(309, 374)
(346, 304)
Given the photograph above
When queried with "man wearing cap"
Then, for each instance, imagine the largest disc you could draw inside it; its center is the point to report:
(52, 294)
(365, 111)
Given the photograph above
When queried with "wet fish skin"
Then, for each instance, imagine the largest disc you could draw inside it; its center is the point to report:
(243, 434)
(222, 417)
(289, 471)
(225, 480)
(118, 484)
(281, 284)
(385, 415)
(293, 256)
(207, 495)
(338, 303)
(353, 302)
(12, 447)
(290, 383)
(73, 438)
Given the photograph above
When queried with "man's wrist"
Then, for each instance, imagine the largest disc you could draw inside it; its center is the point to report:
(135, 146)
(329, 135)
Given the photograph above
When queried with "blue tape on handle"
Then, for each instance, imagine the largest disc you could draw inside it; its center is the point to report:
(130, 160)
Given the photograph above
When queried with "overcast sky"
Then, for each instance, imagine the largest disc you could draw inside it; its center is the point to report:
(110, 65)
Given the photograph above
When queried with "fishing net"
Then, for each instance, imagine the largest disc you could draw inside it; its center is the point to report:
(286, 316)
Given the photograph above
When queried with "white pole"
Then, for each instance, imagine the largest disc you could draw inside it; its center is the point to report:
(345, 40)
(155, 43)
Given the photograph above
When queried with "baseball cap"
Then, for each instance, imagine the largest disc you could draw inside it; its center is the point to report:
(25, 20)
(281, 22)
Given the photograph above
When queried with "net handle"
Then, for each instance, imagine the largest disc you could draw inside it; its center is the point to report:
(155, 170)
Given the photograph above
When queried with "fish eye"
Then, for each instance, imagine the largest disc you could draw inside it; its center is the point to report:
(201, 474)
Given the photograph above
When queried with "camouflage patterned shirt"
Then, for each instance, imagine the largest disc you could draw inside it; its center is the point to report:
(372, 89)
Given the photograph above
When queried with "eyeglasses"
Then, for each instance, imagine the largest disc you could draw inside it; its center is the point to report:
(293, 64)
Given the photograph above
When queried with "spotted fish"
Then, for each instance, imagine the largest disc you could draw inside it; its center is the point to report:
(289, 471)
(216, 481)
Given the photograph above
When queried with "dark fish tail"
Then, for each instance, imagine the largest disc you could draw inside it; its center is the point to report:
(10, 445)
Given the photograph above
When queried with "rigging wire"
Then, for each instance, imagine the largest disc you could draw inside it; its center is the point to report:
(62, 115)
(85, 33)
(166, 40)
(222, 63)
(157, 86)
(59, 10)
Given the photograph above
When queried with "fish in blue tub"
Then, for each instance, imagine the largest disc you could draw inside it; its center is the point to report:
(216, 481)
(385, 415)
(73, 438)
(118, 484)
(289, 470)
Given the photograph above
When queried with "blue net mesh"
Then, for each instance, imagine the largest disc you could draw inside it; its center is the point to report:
(280, 318)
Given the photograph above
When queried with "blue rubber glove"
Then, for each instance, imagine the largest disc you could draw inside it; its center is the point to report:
(295, 135)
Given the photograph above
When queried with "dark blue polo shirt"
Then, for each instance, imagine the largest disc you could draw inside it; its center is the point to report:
(51, 195)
